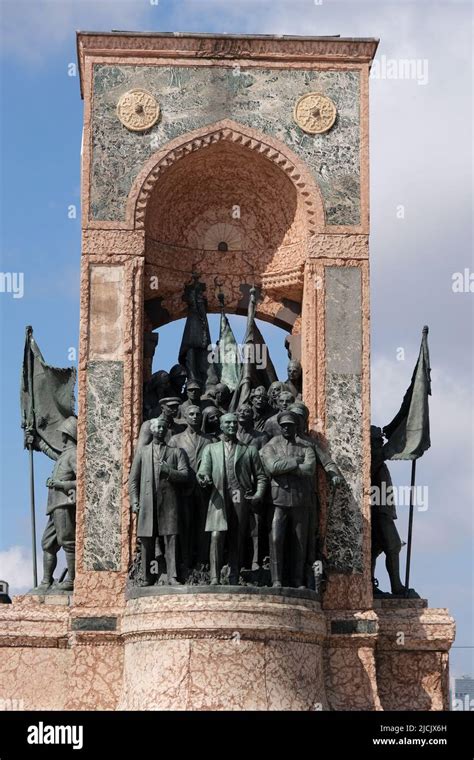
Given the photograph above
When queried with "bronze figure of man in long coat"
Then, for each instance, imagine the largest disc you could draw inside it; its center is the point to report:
(157, 471)
(236, 473)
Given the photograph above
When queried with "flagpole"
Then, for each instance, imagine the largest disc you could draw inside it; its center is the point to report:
(29, 332)
(410, 528)
(33, 516)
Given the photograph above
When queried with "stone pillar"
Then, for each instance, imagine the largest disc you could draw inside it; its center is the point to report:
(110, 386)
(347, 407)
(335, 345)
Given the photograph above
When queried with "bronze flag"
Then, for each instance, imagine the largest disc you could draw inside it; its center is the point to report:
(46, 394)
(409, 432)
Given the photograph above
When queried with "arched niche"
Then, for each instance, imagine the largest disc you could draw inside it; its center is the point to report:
(237, 209)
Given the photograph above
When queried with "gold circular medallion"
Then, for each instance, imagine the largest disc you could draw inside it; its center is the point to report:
(138, 110)
(315, 113)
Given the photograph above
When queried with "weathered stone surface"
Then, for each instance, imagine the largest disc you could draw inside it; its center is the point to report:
(351, 677)
(159, 656)
(413, 680)
(191, 97)
(412, 655)
(102, 541)
(223, 652)
(106, 312)
(95, 676)
(344, 246)
(113, 242)
(34, 677)
(343, 320)
(344, 537)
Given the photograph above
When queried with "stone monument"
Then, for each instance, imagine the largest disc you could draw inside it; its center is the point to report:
(241, 160)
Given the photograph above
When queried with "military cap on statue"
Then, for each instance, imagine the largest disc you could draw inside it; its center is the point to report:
(286, 417)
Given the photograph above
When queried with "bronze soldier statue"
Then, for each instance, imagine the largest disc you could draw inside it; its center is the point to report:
(156, 472)
(168, 408)
(170, 411)
(60, 531)
(291, 465)
(238, 483)
(385, 536)
(193, 397)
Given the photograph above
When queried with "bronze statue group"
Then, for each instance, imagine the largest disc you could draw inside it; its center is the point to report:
(224, 480)
(214, 488)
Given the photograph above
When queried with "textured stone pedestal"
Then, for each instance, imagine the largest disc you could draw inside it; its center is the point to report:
(223, 650)
(412, 655)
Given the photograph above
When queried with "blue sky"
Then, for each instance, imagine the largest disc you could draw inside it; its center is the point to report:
(421, 234)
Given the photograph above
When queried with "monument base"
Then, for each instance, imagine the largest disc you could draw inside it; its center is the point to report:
(231, 649)
(224, 651)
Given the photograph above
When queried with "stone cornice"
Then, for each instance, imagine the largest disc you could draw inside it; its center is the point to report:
(337, 50)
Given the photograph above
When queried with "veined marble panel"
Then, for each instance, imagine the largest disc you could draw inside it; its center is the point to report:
(103, 478)
(344, 535)
(191, 97)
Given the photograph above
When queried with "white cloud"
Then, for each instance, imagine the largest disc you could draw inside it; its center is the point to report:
(16, 569)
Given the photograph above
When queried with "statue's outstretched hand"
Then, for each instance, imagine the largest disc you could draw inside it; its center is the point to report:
(135, 507)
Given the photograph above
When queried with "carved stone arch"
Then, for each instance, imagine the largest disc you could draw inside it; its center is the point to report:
(227, 130)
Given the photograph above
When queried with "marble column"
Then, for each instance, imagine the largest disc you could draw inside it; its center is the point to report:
(347, 423)
(110, 384)
(335, 349)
